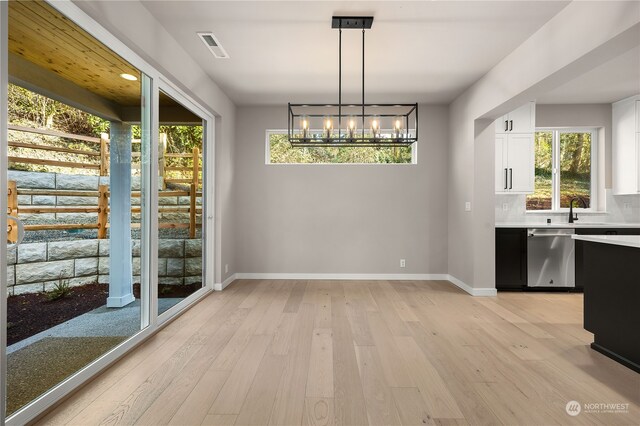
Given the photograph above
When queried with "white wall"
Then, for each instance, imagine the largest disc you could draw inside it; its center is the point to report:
(132, 23)
(561, 50)
(340, 218)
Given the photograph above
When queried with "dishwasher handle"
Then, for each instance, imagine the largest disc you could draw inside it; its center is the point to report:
(534, 235)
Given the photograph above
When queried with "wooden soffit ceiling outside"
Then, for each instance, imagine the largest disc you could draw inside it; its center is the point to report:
(41, 35)
(50, 54)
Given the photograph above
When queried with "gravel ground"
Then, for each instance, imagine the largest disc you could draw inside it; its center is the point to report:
(35, 369)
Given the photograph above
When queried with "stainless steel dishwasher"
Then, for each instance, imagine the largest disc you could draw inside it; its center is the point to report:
(550, 258)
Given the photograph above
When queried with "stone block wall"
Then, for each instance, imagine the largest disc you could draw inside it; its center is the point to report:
(38, 267)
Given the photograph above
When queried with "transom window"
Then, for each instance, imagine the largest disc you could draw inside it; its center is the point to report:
(565, 162)
(280, 151)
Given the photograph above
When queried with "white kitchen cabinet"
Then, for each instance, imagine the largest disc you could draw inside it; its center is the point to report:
(626, 146)
(502, 176)
(638, 161)
(515, 162)
(521, 120)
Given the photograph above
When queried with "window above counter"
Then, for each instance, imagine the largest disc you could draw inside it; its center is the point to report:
(565, 170)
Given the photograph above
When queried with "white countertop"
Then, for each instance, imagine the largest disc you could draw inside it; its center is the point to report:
(565, 225)
(620, 240)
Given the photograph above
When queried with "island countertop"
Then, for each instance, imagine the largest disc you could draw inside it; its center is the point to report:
(561, 225)
(620, 240)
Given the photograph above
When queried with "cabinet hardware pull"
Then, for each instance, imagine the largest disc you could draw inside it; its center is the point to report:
(506, 125)
(506, 179)
(511, 125)
(511, 179)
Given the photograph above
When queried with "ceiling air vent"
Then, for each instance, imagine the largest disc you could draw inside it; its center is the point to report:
(213, 44)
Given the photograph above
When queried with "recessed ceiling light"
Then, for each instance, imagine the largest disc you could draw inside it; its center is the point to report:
(129, 77)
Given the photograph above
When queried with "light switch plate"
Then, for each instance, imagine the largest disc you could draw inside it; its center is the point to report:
(467, 206)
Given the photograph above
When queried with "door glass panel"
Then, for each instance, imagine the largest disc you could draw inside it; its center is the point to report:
(575, 167)
(180, 205)
(74, 183)
(542, 197)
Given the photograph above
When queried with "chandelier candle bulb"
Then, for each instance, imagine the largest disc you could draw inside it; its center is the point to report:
(328, 127)
(352, 127)
(304, 125)
(397, 127)
(375, 127)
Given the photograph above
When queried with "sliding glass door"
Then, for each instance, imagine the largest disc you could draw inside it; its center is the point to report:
(180, 201)
(77, 150)
(105, 168)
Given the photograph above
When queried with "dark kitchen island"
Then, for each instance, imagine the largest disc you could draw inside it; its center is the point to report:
(611, 267)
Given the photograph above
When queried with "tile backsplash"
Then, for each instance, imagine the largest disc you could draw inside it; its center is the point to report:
(623, 208)
(620, 209)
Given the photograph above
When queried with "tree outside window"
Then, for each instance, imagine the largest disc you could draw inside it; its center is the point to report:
(563, 168)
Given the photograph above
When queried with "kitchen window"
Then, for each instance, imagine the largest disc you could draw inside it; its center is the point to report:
(280, 151)
(565, 168)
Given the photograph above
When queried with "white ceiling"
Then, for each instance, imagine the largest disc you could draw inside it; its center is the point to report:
(614, 80)
(416, 51)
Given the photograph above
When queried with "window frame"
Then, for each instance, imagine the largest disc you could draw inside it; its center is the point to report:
(557, 174)
(267, 154)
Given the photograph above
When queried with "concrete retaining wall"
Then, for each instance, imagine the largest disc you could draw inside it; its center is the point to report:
(38, 267)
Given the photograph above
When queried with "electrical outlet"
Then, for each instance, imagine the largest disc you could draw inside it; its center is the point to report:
(627, 207)
(226, 268)
(402, 263)
(467, 206)
(505, 207)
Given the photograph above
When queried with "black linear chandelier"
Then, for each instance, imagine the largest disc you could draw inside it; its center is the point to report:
(358, 125)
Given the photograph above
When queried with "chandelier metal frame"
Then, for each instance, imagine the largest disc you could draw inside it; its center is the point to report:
(358, 125)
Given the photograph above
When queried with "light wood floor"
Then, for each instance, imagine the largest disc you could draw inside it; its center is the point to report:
(361, 352)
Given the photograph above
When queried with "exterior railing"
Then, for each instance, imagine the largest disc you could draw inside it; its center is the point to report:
(102, 195)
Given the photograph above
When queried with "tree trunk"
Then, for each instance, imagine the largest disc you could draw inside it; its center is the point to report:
(577, 154)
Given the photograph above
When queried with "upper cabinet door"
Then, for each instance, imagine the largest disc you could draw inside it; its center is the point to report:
(520, 162)
(501, 177)
(638, 162)
(625, 165)
(502, 124)
(523, 119)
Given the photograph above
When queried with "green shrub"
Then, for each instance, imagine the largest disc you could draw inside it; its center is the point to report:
(61, 290)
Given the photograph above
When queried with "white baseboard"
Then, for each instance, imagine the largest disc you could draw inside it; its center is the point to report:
(221, 286)
(303, 276)
(486, 291)
(397, 277)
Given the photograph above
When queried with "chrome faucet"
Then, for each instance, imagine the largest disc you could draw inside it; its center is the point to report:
(573, 218)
